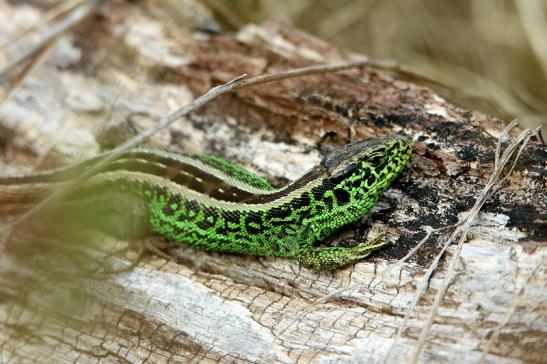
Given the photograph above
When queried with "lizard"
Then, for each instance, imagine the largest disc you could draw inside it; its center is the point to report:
(214, 204)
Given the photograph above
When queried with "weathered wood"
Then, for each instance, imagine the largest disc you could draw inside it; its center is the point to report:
(129, 68)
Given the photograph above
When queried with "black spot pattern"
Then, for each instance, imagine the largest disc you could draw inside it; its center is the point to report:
(192, 206)
(171, 206)
(342, 196)
(369, 177)
(253, 223)
(302, 201)
(280, 212)
(318, 192)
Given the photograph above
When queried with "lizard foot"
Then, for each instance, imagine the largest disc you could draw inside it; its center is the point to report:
(331, 258)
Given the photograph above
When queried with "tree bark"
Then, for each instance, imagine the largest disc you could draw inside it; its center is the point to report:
(126, 66)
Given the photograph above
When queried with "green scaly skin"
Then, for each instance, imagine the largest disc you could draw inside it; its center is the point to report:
(239, 212)
(287, 227)
(235, 171)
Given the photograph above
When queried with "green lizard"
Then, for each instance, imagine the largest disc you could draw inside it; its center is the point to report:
(213, 204)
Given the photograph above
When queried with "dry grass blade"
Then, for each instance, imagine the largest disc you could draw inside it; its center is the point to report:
(425, 281)
(163, 122)
(77, 15)
(36, 60)
(311, 70)
(29, 60)
(433, 266)
(462, 231)
(384, 64)
(54, 13)
(233, 85)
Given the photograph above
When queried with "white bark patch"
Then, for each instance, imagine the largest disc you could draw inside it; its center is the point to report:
(283, 159)
(494, 226)
(148, 38)
(226, 327)
(437, 109)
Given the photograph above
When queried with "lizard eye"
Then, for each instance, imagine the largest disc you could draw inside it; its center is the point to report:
(377, 161)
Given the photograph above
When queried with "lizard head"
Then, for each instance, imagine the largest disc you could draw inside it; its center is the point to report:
(369, 164)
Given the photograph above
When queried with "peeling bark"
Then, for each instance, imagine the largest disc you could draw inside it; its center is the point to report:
(207, 307)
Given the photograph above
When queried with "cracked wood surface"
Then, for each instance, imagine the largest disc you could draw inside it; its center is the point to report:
(127, 66)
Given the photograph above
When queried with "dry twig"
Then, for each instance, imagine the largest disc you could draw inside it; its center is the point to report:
(233, 85)
(501, 161)
(462, 227)
(77, 15)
